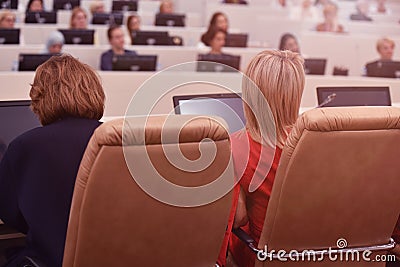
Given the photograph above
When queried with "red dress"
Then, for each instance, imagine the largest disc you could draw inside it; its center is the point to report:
(253, 163)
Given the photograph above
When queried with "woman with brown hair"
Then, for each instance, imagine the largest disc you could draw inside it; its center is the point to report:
(215, 39)
(38, 170)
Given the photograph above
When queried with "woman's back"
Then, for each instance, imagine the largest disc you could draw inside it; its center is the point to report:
(37, 177)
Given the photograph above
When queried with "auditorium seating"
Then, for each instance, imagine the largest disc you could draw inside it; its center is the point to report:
(113, 222)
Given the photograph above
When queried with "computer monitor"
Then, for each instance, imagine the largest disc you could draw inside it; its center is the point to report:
(236, 40)
(29, 62)
(8, 4)
(42, 17)
(228, 63)
(384, 69)
(315, 66)
(134, 62)
(123, 5)
(65, 4)
(174, 20)
(228, 106)
(81, 37)
(353, 96)
(9, 36)
(108, 18)
(16, 118)
(151, 38)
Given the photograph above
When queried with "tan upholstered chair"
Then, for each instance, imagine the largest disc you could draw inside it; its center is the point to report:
(113, 222)
(338, 178)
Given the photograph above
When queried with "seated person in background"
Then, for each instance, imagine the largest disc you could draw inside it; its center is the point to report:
(78, 19)
(166, 7)
(97, 6)
(219, 20)
(240, 2)
(362, 7)
(279, 78)
(385, 48)
(54, 43)
(7, 20)
(38, 170)
(132, 25)
(380, 8)
(215, 39)
(34, 6)
(331, 21)
(117, 40)
(289, 42)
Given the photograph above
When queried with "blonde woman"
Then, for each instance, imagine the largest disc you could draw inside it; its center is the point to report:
(78, 19)
(272, 96)
(38, 170)
(7, 20)
(331, 23)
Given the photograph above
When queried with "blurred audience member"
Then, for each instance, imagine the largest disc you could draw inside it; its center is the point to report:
(289, 42)
(380, 8)
(166, 7)
(305, 11)
(132, 25)
(78, 19)
(219, 20)
(116, 39)
(7, 20)
(385, 48)
(282, 3)
(240, 2)
(34, 6)
(97, 6)
(215, 39)
(331, 20)
(54, 43)
(362, 7)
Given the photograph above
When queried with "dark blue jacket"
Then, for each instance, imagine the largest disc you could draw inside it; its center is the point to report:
(37, 177)
(106, 58)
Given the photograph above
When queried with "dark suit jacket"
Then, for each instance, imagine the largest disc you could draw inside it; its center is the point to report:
(37, 177)
(106, 58)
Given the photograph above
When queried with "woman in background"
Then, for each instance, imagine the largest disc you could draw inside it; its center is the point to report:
(219, 20)
(215, 39)
(166, 7)
(38, 170)
(132, 25)
(7, 20)
(78, 19)
(331, 21)
(35, 6)
(279, 78)
(289, 42)
(54, 43)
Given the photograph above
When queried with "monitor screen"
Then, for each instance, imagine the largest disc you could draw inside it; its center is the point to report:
(384, 69)
(353, 96)
(236, 40)
(9, 36)
(29, 62)
(315, 66)
(108, 18)
(16, 118)
(123, 5)
(228, 63)
(65, 4)
(9, 4)
(134, 62)
(173, 20)
(228, 106)
(81, 37)
(151, 38)
(42, 17)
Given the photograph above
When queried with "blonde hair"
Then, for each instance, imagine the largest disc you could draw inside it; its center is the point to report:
(74, 13)
(4, 14)
(381, 42)
(64, 87)
(272, 93)
(164, 4)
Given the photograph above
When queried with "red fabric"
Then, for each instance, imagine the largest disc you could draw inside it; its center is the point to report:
(253, 162)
